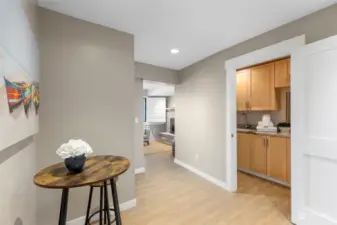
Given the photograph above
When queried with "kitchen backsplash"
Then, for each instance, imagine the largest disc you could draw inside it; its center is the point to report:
(254, 117)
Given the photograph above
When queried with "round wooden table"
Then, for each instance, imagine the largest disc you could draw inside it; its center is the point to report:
(96, 169)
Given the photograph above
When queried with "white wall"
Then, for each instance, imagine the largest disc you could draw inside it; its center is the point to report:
(17, 37)
(18, 60)
(17, 161)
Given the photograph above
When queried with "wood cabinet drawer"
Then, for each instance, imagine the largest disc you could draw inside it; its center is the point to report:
(243, 146)
(258, 154)
(277, 158)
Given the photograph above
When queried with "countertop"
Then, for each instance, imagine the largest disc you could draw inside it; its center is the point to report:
(254, 131)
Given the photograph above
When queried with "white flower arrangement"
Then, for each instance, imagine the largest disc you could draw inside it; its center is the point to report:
(74, 148)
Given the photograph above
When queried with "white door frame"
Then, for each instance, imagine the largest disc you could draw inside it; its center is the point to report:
(276, 51)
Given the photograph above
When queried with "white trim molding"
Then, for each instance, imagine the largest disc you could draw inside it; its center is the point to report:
(279, 50)
(124, 206)
(140, 170)
(202, 174)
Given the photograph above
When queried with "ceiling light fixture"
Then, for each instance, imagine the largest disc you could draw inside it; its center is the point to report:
(174, 51)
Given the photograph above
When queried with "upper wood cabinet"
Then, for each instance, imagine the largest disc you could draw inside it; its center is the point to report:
(242, 89)
(277, 158)
(282, 73)
(258, 154)
(262, 91)
(255, 89)
(243, 147)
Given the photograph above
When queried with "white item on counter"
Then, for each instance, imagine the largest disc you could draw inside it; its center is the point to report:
(269, 129)
(266, 119)
(266, 125)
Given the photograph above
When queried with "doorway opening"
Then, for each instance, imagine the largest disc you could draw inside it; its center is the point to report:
(263, 133)
(256, 167)
(158, 117)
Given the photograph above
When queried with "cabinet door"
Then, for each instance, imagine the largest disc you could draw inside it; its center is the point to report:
(282, 73)
(242, 89)
(262, 91)
(277, 158)
(288, 161)
(243, 151)
(258, 154)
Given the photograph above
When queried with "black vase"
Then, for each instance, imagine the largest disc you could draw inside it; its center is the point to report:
(75, 164)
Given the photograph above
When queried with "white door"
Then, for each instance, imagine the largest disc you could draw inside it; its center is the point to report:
(314, 133)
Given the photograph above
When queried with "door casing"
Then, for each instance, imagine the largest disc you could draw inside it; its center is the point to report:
(272, 52)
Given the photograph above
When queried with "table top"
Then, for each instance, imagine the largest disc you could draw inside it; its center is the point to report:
(96, 169)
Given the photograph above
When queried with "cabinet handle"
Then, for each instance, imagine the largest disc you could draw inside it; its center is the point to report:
(247, 105)
(264, 141)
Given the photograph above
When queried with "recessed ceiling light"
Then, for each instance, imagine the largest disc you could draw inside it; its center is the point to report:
(174, 51)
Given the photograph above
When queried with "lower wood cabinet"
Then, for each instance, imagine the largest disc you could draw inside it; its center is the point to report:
(258, 154)
(243, 150)
(265, 155)
(288, 161)
(277, 158)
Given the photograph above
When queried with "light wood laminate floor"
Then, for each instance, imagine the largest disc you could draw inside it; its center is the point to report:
(168, 194)
(156, 147)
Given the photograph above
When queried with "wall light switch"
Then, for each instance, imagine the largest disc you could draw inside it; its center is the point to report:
(136, 120)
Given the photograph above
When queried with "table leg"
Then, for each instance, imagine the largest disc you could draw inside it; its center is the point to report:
(115, 201)
(107, 206)
(89, 206)
(64, 206)
(101, 206)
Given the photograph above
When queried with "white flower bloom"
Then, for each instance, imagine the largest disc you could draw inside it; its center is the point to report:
(74, 148)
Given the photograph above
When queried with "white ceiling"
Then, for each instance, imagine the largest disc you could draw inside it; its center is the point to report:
(158, 89)
(198, 28)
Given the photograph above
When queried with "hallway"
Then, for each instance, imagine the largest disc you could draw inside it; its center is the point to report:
(168, 194)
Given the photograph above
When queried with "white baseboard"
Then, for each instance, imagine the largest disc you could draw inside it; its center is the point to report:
(124, 206)
(203, 175)
(140, 170)
(128, 205)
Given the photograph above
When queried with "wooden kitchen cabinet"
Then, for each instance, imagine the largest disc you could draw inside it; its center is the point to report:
(243, 146)
(288, 161)
(282, 73)
(258, 154)
(242, 89)
(262, 91)
(277, 158)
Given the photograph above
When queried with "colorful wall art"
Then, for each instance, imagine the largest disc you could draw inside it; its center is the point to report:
(36, 97)
(13, 95)
(19, 100)
(21, 92)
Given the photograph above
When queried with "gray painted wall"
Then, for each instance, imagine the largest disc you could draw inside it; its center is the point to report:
(200, 98)
(87, 83)
(155, 73)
